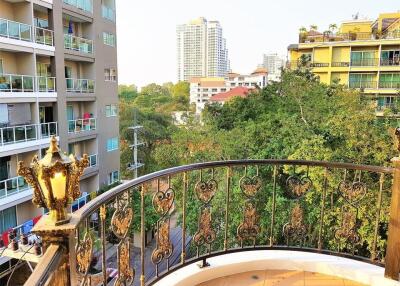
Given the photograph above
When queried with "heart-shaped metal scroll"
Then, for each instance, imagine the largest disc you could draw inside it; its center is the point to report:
(163, 201)
(205, 191)
(250, 185)
(121, 221)
(298, 186)
(84, 254)
(352, 192)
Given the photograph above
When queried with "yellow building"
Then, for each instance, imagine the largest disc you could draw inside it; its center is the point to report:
(362, 54)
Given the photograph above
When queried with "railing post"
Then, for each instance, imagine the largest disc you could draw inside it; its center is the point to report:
(62, 236)
(392, 260)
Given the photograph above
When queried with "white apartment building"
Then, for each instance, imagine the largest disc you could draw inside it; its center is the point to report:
(201, 50)
(202, 89)
(273, 63)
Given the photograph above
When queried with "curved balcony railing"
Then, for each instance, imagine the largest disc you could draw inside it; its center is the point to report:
(80, 85)
(25, 133)
(79, 44)
(208, 209)
(81, 125)
(15, 30)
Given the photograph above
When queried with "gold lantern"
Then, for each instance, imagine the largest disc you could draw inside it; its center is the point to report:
(55, 181)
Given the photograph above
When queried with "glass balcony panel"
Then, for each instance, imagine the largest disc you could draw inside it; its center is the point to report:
(16, 83)
(5, 83)
(8, 135)
(25, 32)
(20, 134)
(2, 189)
(13, 30)
(31, 132)
(27, 83)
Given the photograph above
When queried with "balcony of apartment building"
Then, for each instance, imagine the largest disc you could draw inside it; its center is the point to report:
(88, 147)
(13, 188)
(318, 37)
(78, 43)
(26, 126)
(19, 31)
(209, 230)
(24, 77)
(82, 123)
(79, 83)
(83, 7)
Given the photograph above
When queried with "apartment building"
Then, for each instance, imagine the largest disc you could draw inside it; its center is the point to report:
(362, 54)
(273, 63)
(58, 63)
(204, 88)
(201, 50)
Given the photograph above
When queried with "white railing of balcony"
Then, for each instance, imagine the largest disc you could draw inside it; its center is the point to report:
(93, 160)
(108, 13)
(16, 83)
(45, 84)
(44, 36)
(25, 133)
(79, 44)
(81, 125)
(15, 30)
(80, 85)
(12, 186)
(85, 5)
(26, 83)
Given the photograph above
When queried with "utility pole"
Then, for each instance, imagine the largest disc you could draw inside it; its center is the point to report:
(136, 164)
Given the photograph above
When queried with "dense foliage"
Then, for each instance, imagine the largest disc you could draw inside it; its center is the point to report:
(296, 118)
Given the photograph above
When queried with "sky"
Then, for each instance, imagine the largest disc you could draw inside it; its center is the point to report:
(146, 30)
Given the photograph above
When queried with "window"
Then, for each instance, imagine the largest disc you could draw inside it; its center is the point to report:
(41, 23)
(112, 144)
(113, 177)
(8, 219)
(111, 110)
(110, 74)
(362, 58)
(361, 80)
(43, 69)
(109, 39)
(1, 66)
(389, 58)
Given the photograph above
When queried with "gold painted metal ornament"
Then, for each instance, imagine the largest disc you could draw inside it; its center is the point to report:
(55, 180)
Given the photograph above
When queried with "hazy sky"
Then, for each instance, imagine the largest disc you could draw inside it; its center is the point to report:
(147, 29)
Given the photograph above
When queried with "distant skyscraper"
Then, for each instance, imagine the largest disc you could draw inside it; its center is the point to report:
(201, 50)
(273, 63)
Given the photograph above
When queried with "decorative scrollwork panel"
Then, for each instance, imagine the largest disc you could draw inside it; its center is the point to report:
(121, 221)
(249, 228)
(205, 191)
(84, 254)
(205, 233)
(348, 231)
(298, 186)
(126, 272)
(164, 246)
(295, 230)
(163, 201)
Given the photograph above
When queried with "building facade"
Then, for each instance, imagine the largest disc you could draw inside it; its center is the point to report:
(58, 76)
(362, 54)
(203, 89)
(273, 63)
(201, 50)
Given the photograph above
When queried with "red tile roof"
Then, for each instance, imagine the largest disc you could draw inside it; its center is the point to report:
(240, 91)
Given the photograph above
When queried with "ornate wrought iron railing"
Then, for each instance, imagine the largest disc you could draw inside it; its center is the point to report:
(207, 209)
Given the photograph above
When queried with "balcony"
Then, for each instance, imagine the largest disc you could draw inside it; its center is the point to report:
(390, 62)
(12, 186)
(310, 64)
(362, 84)
(340, 64)
(389, 84)
(78, 44)
(81, 125)
(364, 62)
(334, 221)
(93, 160)
(317, 37)
(44, 36)
(15, 30)
(85, 5)
(80, 85)
(26, 133)
(108, 13)
(26, 83)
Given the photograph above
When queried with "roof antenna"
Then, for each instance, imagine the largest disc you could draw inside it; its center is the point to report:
(355, 16)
